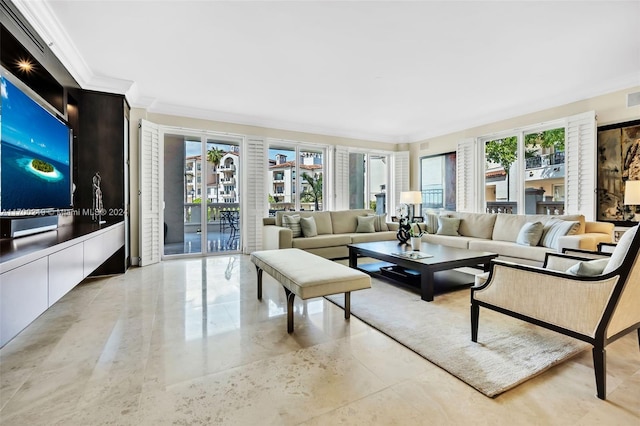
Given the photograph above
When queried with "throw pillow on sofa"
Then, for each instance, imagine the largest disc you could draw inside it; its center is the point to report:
(448, 226)
(292, 222)
(530, 234)
(556, 228)
(432, 223)
(308, 225)
(366, 224)
(380, 222)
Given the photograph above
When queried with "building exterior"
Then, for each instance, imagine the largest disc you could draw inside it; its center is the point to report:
(220, 182)
(282, 180)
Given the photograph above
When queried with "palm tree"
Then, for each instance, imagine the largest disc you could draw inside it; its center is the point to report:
(214, 156)
(313, 189)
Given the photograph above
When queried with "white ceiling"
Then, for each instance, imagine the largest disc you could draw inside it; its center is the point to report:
(385, 71)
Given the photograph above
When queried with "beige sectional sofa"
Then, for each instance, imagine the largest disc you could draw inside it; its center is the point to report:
(335, 229)
(497, 233)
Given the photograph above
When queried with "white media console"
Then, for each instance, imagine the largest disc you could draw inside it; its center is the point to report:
(37, 270)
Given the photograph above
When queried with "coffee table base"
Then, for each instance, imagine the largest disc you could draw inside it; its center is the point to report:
(443, 281)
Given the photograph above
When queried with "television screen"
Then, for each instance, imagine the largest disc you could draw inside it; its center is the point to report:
(35, 154)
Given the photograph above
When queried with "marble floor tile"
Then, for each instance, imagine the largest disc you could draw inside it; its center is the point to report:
(187, 342)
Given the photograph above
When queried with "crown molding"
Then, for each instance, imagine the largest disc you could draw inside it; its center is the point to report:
(48, 27)
(157, 107)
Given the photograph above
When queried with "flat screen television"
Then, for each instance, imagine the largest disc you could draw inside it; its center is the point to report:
(35, 154)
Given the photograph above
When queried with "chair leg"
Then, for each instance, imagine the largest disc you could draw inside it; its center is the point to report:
(600, 369)
(639, 337)
(475, 315)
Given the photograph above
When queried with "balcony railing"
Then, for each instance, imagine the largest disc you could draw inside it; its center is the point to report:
(545, 160)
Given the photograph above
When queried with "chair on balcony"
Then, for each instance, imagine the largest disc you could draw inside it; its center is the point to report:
(590, 299)
(230, 219)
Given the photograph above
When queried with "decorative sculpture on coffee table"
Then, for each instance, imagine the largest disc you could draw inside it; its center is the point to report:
(98, 208)
(404, 227)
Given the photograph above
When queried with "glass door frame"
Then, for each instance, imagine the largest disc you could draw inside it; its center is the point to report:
(368, 154)
(204, 137)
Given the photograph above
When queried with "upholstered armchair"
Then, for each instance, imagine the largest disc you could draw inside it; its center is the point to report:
(593, 300)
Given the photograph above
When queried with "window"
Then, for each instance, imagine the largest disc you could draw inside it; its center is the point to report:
(501, 174)
(539, 189)
(438, 182)
(557, 161)
(288, 161)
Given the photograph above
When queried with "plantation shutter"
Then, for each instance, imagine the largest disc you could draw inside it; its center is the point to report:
(580, 165)
(341, 173)
(149, 196)
(400, 181)
(466, 177)
(255, 206)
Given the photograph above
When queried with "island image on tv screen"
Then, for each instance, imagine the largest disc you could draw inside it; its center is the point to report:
(35, 172)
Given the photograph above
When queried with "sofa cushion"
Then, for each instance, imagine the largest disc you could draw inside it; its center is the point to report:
(432, 223)
(345, 221)
(448, 226)
(308, 225)
(380, 223)
(321, 241)
(446, 240)
(507, 227)
(505, 248)
(366, 224)
(554, 229)
(530, 234)
(323, 220)
(479, 225)
(371, 237)
(292, 222)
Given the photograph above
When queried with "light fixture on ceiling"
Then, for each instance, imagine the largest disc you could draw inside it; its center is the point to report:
(25, 65)
(632, 196)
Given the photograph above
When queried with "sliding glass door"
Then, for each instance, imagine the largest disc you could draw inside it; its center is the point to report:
(201, 195)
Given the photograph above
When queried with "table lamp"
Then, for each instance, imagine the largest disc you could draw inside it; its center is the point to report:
(631, 196)
(412, 198)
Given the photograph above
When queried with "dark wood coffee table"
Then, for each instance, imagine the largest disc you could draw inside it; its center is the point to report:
(442, 258)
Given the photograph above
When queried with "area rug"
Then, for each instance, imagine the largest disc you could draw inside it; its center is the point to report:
(508, 352)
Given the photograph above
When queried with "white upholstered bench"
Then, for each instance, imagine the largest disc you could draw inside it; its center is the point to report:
(307, 275)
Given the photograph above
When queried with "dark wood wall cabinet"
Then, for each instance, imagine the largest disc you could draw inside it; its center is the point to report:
(39, 269)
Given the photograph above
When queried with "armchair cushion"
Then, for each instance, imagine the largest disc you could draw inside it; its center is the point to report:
(620, 252)
(588, 268)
